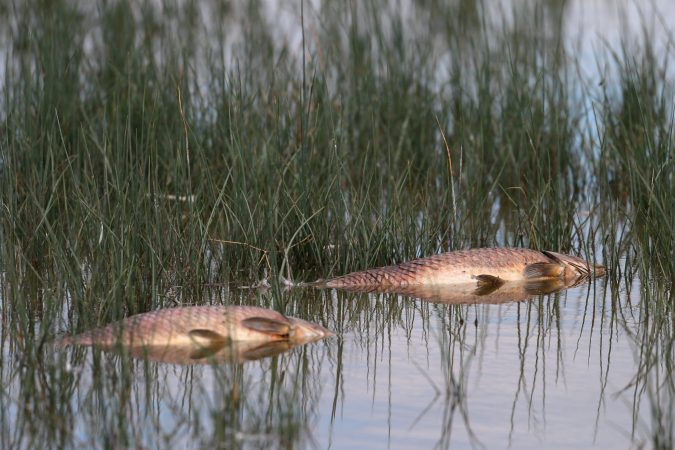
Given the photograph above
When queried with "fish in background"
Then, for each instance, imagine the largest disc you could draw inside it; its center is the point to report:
(485, 268)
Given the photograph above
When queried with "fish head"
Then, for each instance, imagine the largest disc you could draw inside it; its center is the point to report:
(576, 268)
(304, 331)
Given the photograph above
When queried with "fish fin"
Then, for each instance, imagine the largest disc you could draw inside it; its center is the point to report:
(266, 350)
(207, 338)
(547, 286)
(205, 352)
(487, 284)
(543, 270)
(265, 325)
(485, 279)
(552, 255)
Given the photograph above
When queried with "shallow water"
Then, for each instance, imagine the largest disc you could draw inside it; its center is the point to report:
(552, 372)
(587, 367)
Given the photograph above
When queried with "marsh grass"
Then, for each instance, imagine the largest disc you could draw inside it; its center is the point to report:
(145, 149)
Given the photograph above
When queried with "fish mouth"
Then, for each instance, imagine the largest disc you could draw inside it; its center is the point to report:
(577, 267)
(598, 270)
(309, 332)
(318, 332)
(589, 270)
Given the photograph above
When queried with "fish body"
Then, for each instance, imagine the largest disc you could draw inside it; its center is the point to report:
(202, 326)
(492, 266)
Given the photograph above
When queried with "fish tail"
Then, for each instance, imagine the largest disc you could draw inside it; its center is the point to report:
(383, 276)
(90, 337)
(62, 342)
(73, 340)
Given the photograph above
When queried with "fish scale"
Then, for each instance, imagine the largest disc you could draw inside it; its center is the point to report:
(465, 266)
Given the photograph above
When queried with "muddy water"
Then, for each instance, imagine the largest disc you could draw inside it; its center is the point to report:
(555, 371)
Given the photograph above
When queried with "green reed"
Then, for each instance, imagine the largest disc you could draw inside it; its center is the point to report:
(638, 155)
(157, 157)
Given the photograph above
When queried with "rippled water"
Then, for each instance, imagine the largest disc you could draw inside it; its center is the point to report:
(522, 375)
(557, 371)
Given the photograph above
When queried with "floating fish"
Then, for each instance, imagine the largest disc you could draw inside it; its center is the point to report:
(482, 267)
(200, 331)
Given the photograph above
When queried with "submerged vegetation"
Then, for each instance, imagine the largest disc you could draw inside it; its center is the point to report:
(150, 151)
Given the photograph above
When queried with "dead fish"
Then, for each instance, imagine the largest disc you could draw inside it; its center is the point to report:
(210, 327)
(463, 294)
(483, 266)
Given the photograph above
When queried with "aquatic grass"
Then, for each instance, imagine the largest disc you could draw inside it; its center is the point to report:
(637, 157)
(266, 216)
(653, 386)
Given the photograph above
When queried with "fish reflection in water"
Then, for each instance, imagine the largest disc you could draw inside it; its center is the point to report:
(235, 352)
(458, 294)
(199, 334)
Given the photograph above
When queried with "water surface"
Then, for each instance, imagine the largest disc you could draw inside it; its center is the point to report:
(557, 371)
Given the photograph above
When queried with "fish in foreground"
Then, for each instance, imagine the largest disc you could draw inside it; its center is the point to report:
(202, 327)
(482, 267)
